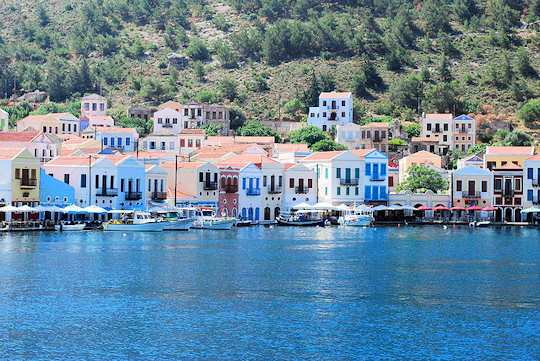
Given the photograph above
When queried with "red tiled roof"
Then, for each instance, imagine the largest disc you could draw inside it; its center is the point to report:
(18, 136)
(494, 150)
(362, 152)
(324, 155)
(376, 125)
(439, 116)
(335, 94)
(71, 161)
(10, 153)
(193, 131)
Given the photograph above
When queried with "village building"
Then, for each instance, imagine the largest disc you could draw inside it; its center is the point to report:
(20, 181)
(472, 186)
(52, 123)
(373, 135)
(335, 108)
(43, 146)
(4, 120)
(118, 138)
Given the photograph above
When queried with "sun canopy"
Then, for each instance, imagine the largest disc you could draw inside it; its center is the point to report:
(94, 209)
(73, 209)
(474, 208)
(531, 210)
(120, 211)
(342, 207)
(457, 208)
(493, 209)
(26, 208)
(423, 208)
(441, 208)
(324, 205)
(8, 209)
(380, 208)
(302, 206)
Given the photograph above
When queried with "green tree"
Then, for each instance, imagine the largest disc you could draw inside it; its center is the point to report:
(407, 92)
(515, 138)
(327, 145)
(228, 88)
(256, 128)
(421, 178)
(435, 17)
(523, 63)
(43, 15)
(413, 130)
(308, 135)
(478, 148)
(212, 129)
(226, 55)
(530, 111)
(197, 50)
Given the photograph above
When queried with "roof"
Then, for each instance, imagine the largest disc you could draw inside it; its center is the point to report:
(10, 153)
(99, 118)
(170, 105)
(494, 150)
(463, 117)
(38, 118)
(534, 157)
(245, 159)
(335, 95)
(110, 130)
(182, 165)
(193, 131)
(423, 154)
(69, 160)
(439, 116)
(376, 125)
(509, 166)
(472, 171)
(26, 136)
(324, 155)
(93, 97)
(361, 153)
(291, 147)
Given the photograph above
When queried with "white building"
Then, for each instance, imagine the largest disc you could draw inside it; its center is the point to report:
(300, 186)
(441, 133)
(162, 142)
(124, 139)
(4, 120)
(156, 184)
(531, 181)
(472, 186)
(43, 146)
(335, 108)
(168, 121)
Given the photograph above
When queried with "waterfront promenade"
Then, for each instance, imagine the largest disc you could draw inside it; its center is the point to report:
(272, 293)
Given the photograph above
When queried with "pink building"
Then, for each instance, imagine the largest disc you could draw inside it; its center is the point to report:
(228, 191)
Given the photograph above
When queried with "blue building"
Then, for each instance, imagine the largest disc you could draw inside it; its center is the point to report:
(375, 178)
(54, 191)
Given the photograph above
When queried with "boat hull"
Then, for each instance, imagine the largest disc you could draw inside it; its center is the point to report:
(307, 223)
(359, 221)
(217, 225)
(179, 225)
(143, 227)
(70, 227)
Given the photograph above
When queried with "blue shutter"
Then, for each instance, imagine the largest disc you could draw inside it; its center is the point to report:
(105, 141)
(244, 184)
(530, 195)
(382, 193)
(368, 168)
(338, 190)
(367, 193)
(112, 141)
(243, 212)
(530, 173)
(355, 191)
(256, 183)
(128, 140)
(257, 213)
(326, 173)
(383, 169)
(375, 193)
(375, 171)
(338, 173)
(357, 173)
(119, 141)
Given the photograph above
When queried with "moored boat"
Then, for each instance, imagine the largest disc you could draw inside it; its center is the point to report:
(302, 218)
(359, 217)
(206, 219)
(135, 222)
(65, 227)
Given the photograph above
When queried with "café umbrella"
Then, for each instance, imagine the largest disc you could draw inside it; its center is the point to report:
(9, 209)
(423, 208)
(94, 210)
(441, 208)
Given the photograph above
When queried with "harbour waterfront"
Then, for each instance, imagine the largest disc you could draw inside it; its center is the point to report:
(272, 293)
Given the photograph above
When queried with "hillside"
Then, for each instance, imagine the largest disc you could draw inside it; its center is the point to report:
(270, 57)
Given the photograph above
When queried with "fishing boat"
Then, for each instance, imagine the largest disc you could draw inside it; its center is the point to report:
(302, 218)
(68, 227)
(243, 223)
(173, 220)
(135, 222)
(206, 219)
(359, 217)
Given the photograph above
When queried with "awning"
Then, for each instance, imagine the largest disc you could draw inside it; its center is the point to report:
(94, 209)
(73, 209)
(8, 209)
(474, 208)
(324, 205)
(441, 208)
(457, 208)
(302, 206)
(423, 208)
(25, 208)
(380, 208)
(531, 210)
(493, 209)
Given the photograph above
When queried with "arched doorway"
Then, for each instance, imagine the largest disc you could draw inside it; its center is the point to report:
(517, 215)
(250, 213)
(276, 212)
(508, 214)
(498, 215)
(267, 213)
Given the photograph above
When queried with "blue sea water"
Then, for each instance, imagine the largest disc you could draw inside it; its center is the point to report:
(411, 293)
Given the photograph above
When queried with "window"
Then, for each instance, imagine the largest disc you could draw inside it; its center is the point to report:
(367, 192)
(280, 180)
(459, 185)
(201, 177)
(128, 141)
(122, 185)
(338, 173)
(175, 120)
(484, 186)
(105, 140)
(326, 173)
(530, 195)
(498, 184)
(343, 103)
(119, 141)
(428, 126)
(291, 182)
(112, 141)
(517, 184)
(324, 114)
(445, 127)
(445, 138)
(338, 191)
(382, 169)
(74, 128)
(325, 191)
(343, 114)
(112, 182)
(390, 181)
(324, 103)
(368, 169)
(44, 129)
(83, 180)
(97, 181)
(310, 183)
(347, 191)
(244, 183)
(63, 127)
(66, 178)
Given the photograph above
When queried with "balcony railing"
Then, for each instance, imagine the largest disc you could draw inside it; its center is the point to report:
(167, 125)
(535, 182)
(536, 201)
(377, 178)
(471, 195)
(275, 189)
(133, 196)
(253, 191)
(107, 192)
(159, 196)
(210, 186)
(508, 193)
(28, 182)
(301, 190)
(348, 181)
(230, 188)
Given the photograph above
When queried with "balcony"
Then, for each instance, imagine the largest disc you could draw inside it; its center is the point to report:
(230, 188)
(275, 189)
(377, 178)
(348, 181)
(28, 182)
(159, 196)
(301, 190)
(133, 196)
(253, 191)
(536, 201)
(508, 193)
(107, 192)
(167, 125)
(210, 186)
(535, 182)
(471, 195)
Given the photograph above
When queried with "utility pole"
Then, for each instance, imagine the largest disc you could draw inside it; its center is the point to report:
(89, 180)
(175, 177)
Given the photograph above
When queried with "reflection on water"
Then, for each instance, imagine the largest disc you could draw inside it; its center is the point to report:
(266, 293)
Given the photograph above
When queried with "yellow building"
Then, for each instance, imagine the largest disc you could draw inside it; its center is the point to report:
(20, 177)
(497, 157)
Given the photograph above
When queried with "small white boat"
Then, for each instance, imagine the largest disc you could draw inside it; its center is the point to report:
(206, 219)
(359, 217)
(303, 218)
(135, 222)
(69, 227)
(174, 221)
